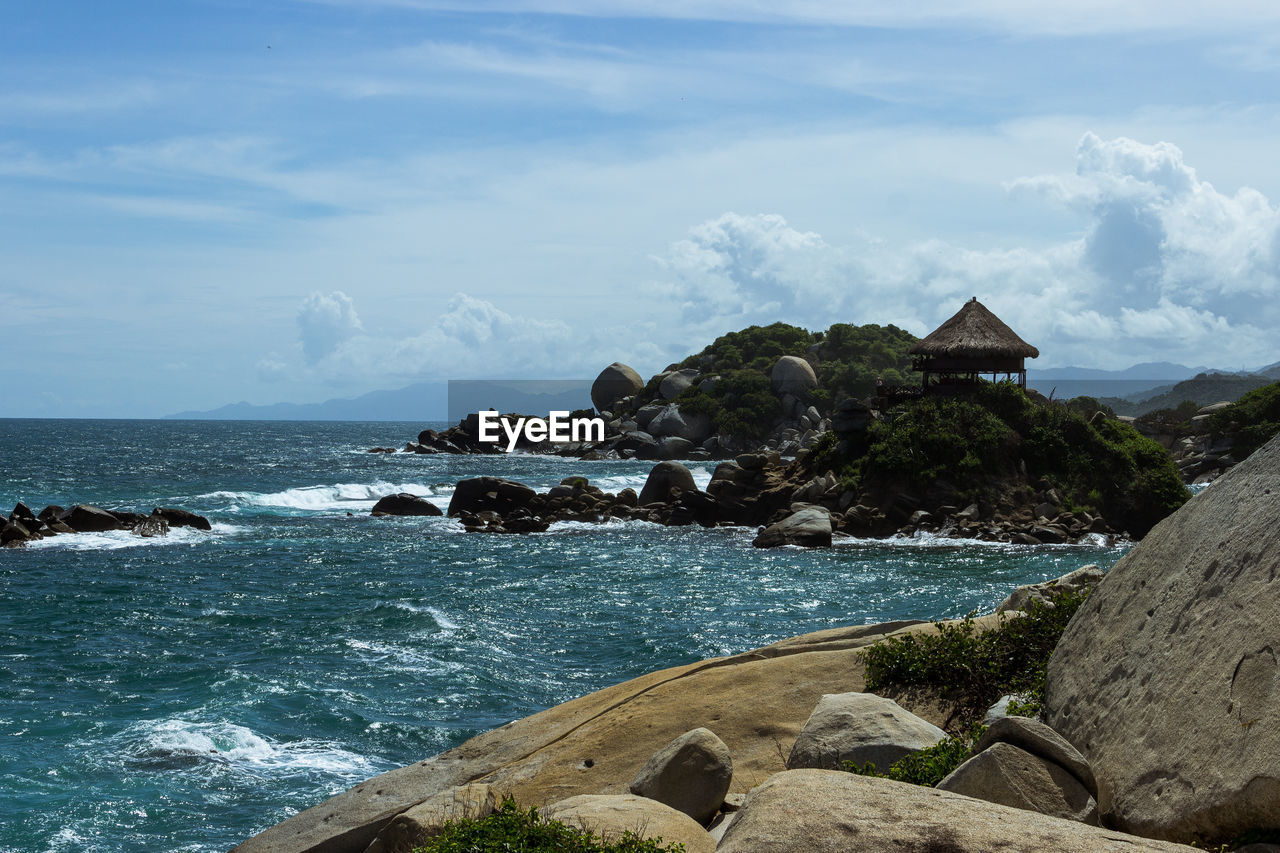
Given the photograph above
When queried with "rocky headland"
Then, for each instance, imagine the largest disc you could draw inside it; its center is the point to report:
(1158, 728)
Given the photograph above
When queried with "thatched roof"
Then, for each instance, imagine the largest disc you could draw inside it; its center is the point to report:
(974, 332)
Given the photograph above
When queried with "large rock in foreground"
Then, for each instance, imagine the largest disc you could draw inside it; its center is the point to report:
(826, 811)
(1167, 679)
(1005, 774)
(426, 820)
(862, 728)
(610, 815)
(691, 774)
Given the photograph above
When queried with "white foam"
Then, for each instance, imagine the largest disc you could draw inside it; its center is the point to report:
(182, 743)
(111, 540)
(408, 657)
(323, 498)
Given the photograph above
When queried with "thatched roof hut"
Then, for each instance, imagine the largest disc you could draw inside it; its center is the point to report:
(974, 332)
(973, 342)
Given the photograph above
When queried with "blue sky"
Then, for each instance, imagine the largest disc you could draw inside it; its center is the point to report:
(283, 200)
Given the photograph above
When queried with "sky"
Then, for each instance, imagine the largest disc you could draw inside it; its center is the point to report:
(209, 201)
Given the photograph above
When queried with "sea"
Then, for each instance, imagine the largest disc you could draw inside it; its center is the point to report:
(184, 693)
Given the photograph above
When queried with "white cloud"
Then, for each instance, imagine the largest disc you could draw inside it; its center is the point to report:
(1167, 267)
(325, 321)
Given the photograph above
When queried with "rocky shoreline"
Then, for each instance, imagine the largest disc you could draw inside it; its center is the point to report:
(781, 497)
(1159, 724)
(23, 525)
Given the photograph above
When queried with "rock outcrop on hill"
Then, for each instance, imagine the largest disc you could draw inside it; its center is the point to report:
(1167, 677)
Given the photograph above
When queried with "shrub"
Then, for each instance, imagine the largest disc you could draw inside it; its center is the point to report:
(1253, 419)
(966, 670)
(510, 829)
(743, 404)
(928, 766)
(978, 443)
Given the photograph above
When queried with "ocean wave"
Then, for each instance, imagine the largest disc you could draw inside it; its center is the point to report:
(323, 498)
(439, 616)
(408, 658)
(177, 744)
(111, 540)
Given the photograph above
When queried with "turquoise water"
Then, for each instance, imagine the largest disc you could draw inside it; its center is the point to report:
(185, 693)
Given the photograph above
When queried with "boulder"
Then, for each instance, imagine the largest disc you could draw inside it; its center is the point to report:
(489, 494)
(1038, 739)
(691, 774)
(1167, 679)
(862, 728)
(404, 504)
(51, 513)
(810, 527)
(152, 525)
(665, 477)
(410, 829)
(1013, 777)
(647, 413)
(792, 375)
(826, 811)
(610, 815)
(613, 384)
(673, 447)
(182, 518)
(675, 384)
(1081, 580)
(90, 519)
(16, 532)
(22, 512)
(672, 422)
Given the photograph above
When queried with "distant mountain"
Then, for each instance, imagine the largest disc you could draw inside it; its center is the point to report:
(1163, 371)
(1066, 382)
(423, 401)
(1271, 371)
(1203, 389)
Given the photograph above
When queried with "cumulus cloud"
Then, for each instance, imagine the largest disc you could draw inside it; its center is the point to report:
(325, 321)
(471, 338)
(1164, 266)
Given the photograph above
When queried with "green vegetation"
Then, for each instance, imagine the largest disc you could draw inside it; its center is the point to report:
(928, 766)
(1253, 420)
(1088, 407)
(1177, 419)
(510, 829)
(980, 444)
(847, 360)
(743, 404)
(967, 670)
(853, 357)
(754, 348)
